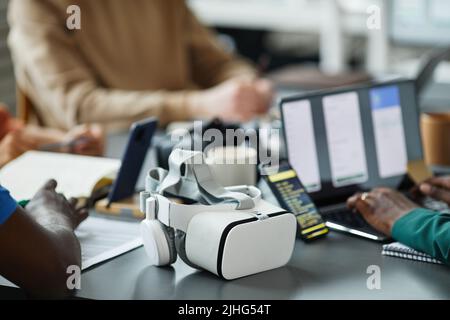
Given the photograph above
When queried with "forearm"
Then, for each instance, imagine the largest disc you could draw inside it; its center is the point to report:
(45, 275)
(62, 241)
(85, 102)
(43, 136)
(110, 105)
(426, 231)
(37, 258)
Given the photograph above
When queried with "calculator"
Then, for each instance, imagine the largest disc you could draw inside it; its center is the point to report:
(292, 196)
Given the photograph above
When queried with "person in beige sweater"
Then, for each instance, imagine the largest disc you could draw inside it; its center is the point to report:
(130, 60)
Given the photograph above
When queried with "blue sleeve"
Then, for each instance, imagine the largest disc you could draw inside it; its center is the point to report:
(7, 205)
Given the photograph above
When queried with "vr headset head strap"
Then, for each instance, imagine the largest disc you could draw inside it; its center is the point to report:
(177, 159)
(178, 216)
(215, 193)
(196, 183)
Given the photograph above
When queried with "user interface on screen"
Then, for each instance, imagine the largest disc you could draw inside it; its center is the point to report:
(353, 139)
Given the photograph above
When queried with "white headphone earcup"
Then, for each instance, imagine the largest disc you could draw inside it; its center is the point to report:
(159, 243)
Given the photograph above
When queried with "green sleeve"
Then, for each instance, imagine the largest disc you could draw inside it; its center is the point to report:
(425, 231)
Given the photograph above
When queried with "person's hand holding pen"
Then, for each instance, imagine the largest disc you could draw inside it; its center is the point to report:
(86, 140)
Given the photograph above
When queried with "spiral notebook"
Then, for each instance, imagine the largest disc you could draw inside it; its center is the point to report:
(399, 250)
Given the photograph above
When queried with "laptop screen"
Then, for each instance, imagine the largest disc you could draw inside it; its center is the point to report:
(353, 139)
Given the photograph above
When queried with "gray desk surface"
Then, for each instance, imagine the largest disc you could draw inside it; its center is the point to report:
(332, 268)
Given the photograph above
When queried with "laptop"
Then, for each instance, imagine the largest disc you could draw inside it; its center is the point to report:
(352, 140)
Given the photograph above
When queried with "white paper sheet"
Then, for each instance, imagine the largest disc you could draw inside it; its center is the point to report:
(102, 239)
(389, 133)
(301, 143)
(76, 175)
(345, 139)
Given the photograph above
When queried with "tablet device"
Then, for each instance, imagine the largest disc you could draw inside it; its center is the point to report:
(139, 141)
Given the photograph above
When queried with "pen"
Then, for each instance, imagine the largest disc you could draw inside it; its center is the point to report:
(23, 203)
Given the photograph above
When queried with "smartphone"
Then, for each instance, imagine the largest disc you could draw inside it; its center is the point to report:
(292, 196)
(139, 141)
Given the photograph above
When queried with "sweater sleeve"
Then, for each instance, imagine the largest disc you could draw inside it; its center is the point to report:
(425, 231)
(68, 88)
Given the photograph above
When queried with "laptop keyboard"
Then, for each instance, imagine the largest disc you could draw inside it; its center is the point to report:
(341, 215)
(346, 217)
(435, 205)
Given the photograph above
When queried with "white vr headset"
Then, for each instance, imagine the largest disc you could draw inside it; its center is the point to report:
(230, 232)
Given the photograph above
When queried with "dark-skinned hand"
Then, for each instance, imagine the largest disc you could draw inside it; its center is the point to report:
(381, 208)
(51, 208)
(437, 188)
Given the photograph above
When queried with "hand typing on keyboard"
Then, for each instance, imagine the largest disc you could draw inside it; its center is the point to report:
(381, 208)
(437, 188)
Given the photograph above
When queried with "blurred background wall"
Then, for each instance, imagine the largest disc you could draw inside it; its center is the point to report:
(7, 82)
(333, 37)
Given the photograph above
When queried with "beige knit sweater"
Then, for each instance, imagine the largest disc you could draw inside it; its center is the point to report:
(131, 59)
